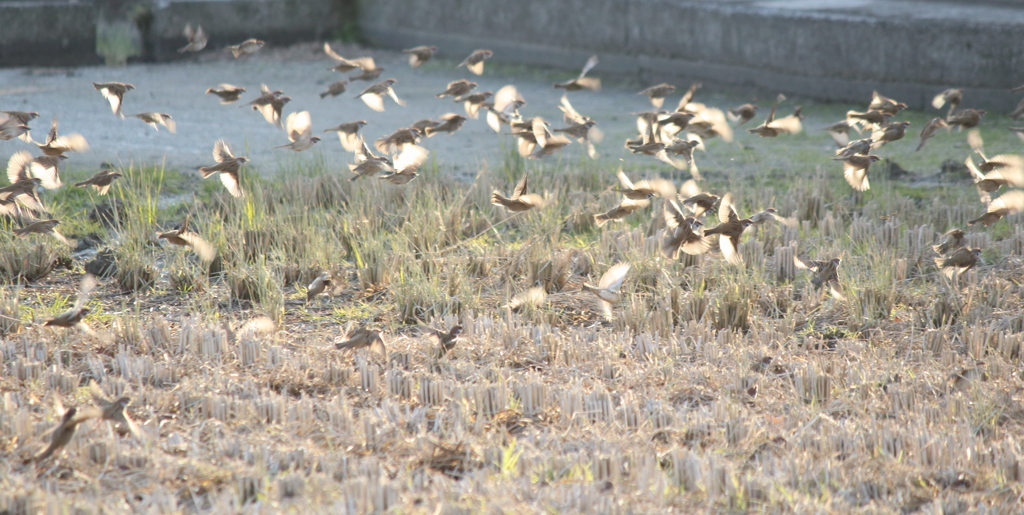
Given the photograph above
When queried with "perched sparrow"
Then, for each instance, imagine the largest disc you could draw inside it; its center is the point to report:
(683, 233)
(247, 47)
(457, 88)
(520, 200)
(930, 129)
(960, 261)
(22, 166)
(363, 337)
(74, 316)
(348, 133)
(228, 166)
(658, 93)
(334, 89)
(645, 189)
(729, 231)
(185, 237)
(582, 82)
(825, 272)
(155, 120)
(607, 289)
(840, 132)
(114, 93)
(318, 286)
(445, 340)
(700, 203)
(949, 96)
(473, 102)
(347, 65)
(855, 169)
(1008, 203)
(196, 39)
(300, 132)
(965, 118)
(885, 105)
(65, 431)
(858, 147)
(743, 113)
(16, 125)
(475, 62)
(452, 123)
(951, 239)
(373, 96)
(394, 142)
(419, 55)
(624, 209)
(891, 132)
(100, 182)
(42, 227)
(226, 92)
(113, 410)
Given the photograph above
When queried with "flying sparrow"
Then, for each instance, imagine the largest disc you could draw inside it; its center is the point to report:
(114, 93)
(475, 62)
(520, 200)
(419, 55)
(582, 82)
(608, 288)
(196, 39)
(228, 166)
(100, 182)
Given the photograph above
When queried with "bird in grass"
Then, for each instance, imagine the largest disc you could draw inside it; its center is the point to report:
(729, 230)
(100, 182)
(608, 288)
(348, 134)
(155, 120)
(300, 132)
(113, 410)
(247, 47)
(953, 97)
(184, 236)
(23, 166)
(840, 133)
(334, 89)
(419, 55)
(825, 272)
(624, 209)
(452, 123)
(644, 189)
(226, 92)
(960, 261)
(318, 286)
(520, 200)
(196, 37)
(73, 317)
(884, 104)
(856, 147)
(228, 166)
(965, 118)
(256, 326)
(42, 227)
(1008, 203)
(373, 96)
(930, 129)
(889, 133)
(457, 89)
(114, 93)
(475, 62)
(16, 125)
(65, 430)
(855, 170)
(683, 233)
(951, 239)
(658, 93)
(55, 145)
(743, 113)
(445, 339)
(582, 81)
(363, 337)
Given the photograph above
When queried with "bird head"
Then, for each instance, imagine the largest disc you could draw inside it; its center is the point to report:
(314, 139)
(85, 311)
(696, 224)
(770, 210)
(873, 158)
(746, 222)
(456, 330)
(115, 174)
(242, 160)
(836, 261)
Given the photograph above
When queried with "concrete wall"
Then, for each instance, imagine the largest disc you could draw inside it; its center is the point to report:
(781, 45)
(50, 33)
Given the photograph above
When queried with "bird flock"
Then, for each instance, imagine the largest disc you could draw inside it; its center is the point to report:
(670, 137)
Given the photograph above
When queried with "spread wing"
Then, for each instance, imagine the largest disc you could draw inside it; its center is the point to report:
(726, 211)
(674, 216)
(18, 166)
(299, 126)
(373, 101)
(411, 158)
(222, 152)
(612, 279)
(729, 251)
(626, 183)
(230, 181)
(520, 188)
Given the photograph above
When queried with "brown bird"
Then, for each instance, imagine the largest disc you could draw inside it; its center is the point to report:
(269, 104)
(743, 113)
(473, 102)
(858, 147)
(965, 118)
(400, 177)
(42, 227)
(452, 122)
(184, 236)
(868, 119)
(363, 337)
(247, 47)
(520, 200)
(683, 233)
(114, 93)
(318, 286)
(951, 239)
(421, 125)
(196, 39)
(770, 215)
(65, 431)
(445, 340)
(608, 288)
(671, 124)
(368, 74)
(855, 169)
(624, 209)
(334, 89)
(347, 65)
(949, 96)
(155, 120)
(348, 134)
(644, 189)
(457, 88)
(840, 132)
(22, 166)
(229, 167)
(21, 192)
(547, 143)
(100, 182)
(729, 231)
(534, 298)
(684, 103)
(772, 127)
(394, 142)
(507, 102)
(226, 92)
(15, 125)
(419, 55)
(891, 132)
(409, 160)
(475, 62)
(113, 410)
(960, 261)
(373, 96)
(1008, 203)
(73, 317)
(367, 163)
(930, 129)
(582, 82)
(825, 272)
(885, 105)
(300, 132)
(658, 93)
(266, 96)
(700, 203)
(1001, 170)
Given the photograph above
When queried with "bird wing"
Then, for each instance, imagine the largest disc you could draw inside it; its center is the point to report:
(377, 345)
(591, 63)
(47, 173)
(1007, 203)
(330, 52)
(974, 139)
(612, 279)
(202, 248)
(222, 152)
(394, 96)
(813, 266)
(728, 246)
(505, 97)
(230, 181)
(299, 126)
(940, 99)
(85, 288)
(520, 189)
(540, 131)
(790, 124)
(726, 211)
(978, 176)
(114, 99)
(412, 157)
(476, 68)
(18, 166)
(373, 101)
(257, 325)
(674, 216)
(571, 115)
(52, 135)
(857, 177)
(624, 181)
(689, 189)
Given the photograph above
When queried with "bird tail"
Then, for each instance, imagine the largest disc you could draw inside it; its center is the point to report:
(430, 131)
(206, 172)
(324, 95)
(498, 199)
(601, 219)
(21, 232)
(81, 184)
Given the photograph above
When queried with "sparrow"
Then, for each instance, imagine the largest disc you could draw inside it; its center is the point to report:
(367, 163)
(840, 132)
(226, 92)
(419, 55)
(347, 65)
(683, 147)
(581, 128)
(658, 93)
(196, 39)
(373, 96)
(608, 288)
(535, 297)
(729, 231)
(457, 89)
(24, 192)
(766, 215)
(683, 233)
(951, 239)
(672, 124)
(73, 317)
(300, 132)
(473, 102)
(872, 119)
(699, 203)
(520, 200)
(184, 236)
(1008, 203)
(269, 104)
(247, 47)
(228, 166)
(100, 182)
(1001, 170)
(624, 209)
(772, 127)
(348, 134)
(42, 227)
(155, 120)
(114, 93)
(408, 162)
(857, 147)
(445, 340)
(885, 105)
(657, 150)
(22, 166)
(645, 189)
(949, 96)
(266, 96)
(930, 129)
(363, 337)
(965, 118)
(394, 142)
(743, 113)
(16, 125)
(318, 286)
(401, 177)
(960, 261)
(891, 132)
(334, 89)
(825, 272)
(368, 74)
(855, 169)
(256, 326)
(65, 431)
(452, 122)
(547, 143)
(422, 125)
(113, 410)
(582, 82)
(684, 103)
(475, 62)
(506, 103)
